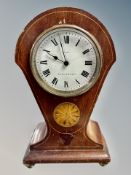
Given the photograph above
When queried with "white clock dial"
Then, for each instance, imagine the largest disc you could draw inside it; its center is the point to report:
(66, 61)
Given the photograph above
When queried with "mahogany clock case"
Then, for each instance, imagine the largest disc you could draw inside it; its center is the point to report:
(84, 141)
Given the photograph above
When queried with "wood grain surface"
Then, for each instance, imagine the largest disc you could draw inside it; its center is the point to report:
(76, 136)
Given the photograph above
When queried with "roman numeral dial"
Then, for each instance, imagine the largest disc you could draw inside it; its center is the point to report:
(84, 73)
(43, 62)
(77, 42)
(46, 72)
(66, 39)
(55, 81)
(54, 42)
(88, 62)
(85, 51)
(66, 84)
(65, 60)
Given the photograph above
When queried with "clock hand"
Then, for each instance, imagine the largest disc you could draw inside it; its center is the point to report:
(55, 57)
(66, 63)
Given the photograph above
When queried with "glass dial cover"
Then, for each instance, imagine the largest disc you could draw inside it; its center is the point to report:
(66, 60)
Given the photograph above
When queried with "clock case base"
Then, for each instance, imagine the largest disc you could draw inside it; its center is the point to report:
(67, 154)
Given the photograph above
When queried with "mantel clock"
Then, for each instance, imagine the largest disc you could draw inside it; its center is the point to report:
(65, 54)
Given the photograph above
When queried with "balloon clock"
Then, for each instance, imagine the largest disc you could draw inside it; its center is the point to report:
(65, 54)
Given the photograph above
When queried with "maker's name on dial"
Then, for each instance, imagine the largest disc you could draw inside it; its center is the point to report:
(66, 73)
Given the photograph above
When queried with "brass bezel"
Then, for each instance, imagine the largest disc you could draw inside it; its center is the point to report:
(44, 85)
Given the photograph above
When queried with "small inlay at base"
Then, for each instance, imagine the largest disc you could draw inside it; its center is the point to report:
(69, 155)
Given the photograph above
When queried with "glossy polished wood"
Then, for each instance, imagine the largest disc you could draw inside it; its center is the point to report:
(78, 139)
(67, 154)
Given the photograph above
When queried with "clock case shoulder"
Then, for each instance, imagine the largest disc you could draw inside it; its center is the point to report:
(46, 101)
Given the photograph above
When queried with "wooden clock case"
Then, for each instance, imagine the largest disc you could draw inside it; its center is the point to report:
(51, 142)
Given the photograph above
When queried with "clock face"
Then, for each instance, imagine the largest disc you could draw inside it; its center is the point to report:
(66, 61)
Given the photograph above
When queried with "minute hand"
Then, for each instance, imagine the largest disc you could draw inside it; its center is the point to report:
(63, 50)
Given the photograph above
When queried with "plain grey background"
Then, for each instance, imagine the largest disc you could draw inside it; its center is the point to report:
(19, 113)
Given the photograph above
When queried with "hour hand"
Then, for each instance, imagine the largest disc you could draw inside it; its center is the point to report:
(55, 57)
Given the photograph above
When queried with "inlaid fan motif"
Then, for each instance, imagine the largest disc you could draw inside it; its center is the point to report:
(66, 114)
